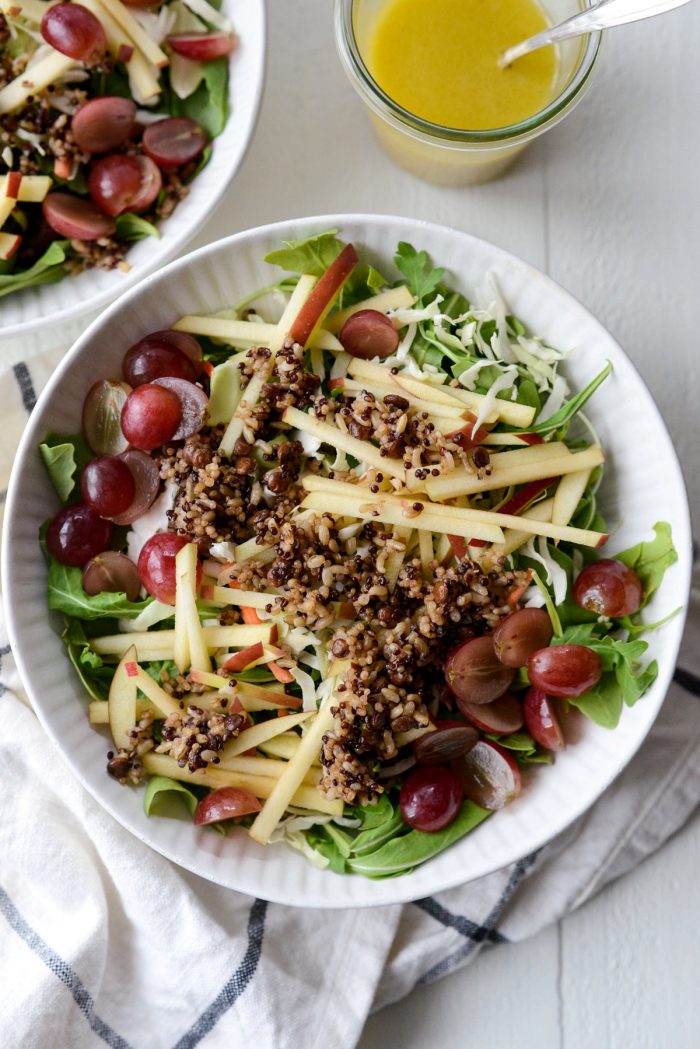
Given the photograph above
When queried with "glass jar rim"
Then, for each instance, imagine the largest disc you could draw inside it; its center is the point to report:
(387, 108)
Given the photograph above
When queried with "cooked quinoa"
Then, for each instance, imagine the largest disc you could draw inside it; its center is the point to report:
(396, 638)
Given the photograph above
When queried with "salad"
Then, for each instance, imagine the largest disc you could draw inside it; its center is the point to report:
(107, 113)
(331, 564)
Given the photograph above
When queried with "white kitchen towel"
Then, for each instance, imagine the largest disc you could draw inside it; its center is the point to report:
(103, 942)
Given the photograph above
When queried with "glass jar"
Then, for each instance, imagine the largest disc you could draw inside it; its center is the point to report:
(454, 156)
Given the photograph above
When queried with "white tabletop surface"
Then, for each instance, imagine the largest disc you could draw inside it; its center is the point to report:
(607, 204)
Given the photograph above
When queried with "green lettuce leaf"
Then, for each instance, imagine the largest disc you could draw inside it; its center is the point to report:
(651, 559)
(208, 105)
(47, 270)
(315, 254)
(66, 595)
(162, 791)
(134, 227)
(421, 277)
(90, 668)
(64, 456)
(402, 854)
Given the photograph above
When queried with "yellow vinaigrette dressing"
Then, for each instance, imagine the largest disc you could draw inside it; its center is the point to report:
(438, 60)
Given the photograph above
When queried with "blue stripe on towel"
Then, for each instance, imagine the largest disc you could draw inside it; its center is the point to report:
(469, 929)
(472, 942)
(687, 681)
(236, 985)
(62, 971)
(26, 386)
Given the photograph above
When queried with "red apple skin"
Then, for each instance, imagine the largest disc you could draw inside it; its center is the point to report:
(226, 803)
(14, 246)
(240, 660)
(323, 294)
(464, 437)
(14, 181)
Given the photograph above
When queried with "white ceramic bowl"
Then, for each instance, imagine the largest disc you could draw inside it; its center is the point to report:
(30, 320)
(643, 482)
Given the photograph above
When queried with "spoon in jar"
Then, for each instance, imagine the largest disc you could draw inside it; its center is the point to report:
(601, 15)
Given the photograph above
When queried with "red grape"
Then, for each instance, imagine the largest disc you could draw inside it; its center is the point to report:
(102, 412)
(226, 803)
(185, 343)
(368, 334)
(75, 217)
(156, 565)
(541, 721)
(76, 534)
(473, 673)
(430, 798)
(104, 123)
(444, 744)
(202, 47)
(113, 573)
(564, 670)
(489, 775)
(114, 182)
(502, 716)
(74, 31)
(151, 184)
(107, 486)
(150, 416)
(194, 404)
(152, 358)
(173, 142)
(520, 634)
(146, 477)
(609, 588)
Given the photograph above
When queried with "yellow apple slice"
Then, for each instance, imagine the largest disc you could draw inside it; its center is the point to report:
(121, 700)
(34, 80)
(226, 595)
(32, 188)
(165, 703)
(514, 538)
(123, 17)
(186, 582)
(149, 641)
(364, 451)
(396, 558)
(257, 734)
(291, 779)
(393, 299)
(504, 474)
(245, 334)
(568, 495)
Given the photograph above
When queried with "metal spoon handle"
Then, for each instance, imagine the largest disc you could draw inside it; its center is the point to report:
(602, 15)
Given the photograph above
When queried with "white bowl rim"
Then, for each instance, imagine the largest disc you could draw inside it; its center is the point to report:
(390, 890)
(179, 240)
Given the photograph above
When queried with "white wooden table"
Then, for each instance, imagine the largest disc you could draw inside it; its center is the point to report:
(607, 205)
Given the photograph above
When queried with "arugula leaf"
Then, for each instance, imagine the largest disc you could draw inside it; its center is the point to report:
(64, 456)
(315, 254)
(46, 270)
(651, 559)
(162, 789)
(602, 704)
(90, 668)
(415, 265)
(66, 594)
(569, 410)
(402, 854)
(134, 227)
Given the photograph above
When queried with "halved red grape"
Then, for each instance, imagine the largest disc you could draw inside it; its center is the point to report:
(520, 634)
(194, 404)
(541, 721)
(153, 358)
(474, 674)
(564, 670)
(444, 744)
(147, 480)
(173, 142)
(489, 775)
(151, 184)
(430, 798)
(114, 182)
(501, 717)
(76, 534)
(151, 416)
(107, 486)
(368, 334)
(74, 31)
(609, 588)
(113, 573)
(156, 565)
(102, 412)
(75, 217)
(104, 123)
(185, 343)
(226, 803)
(202, 47)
